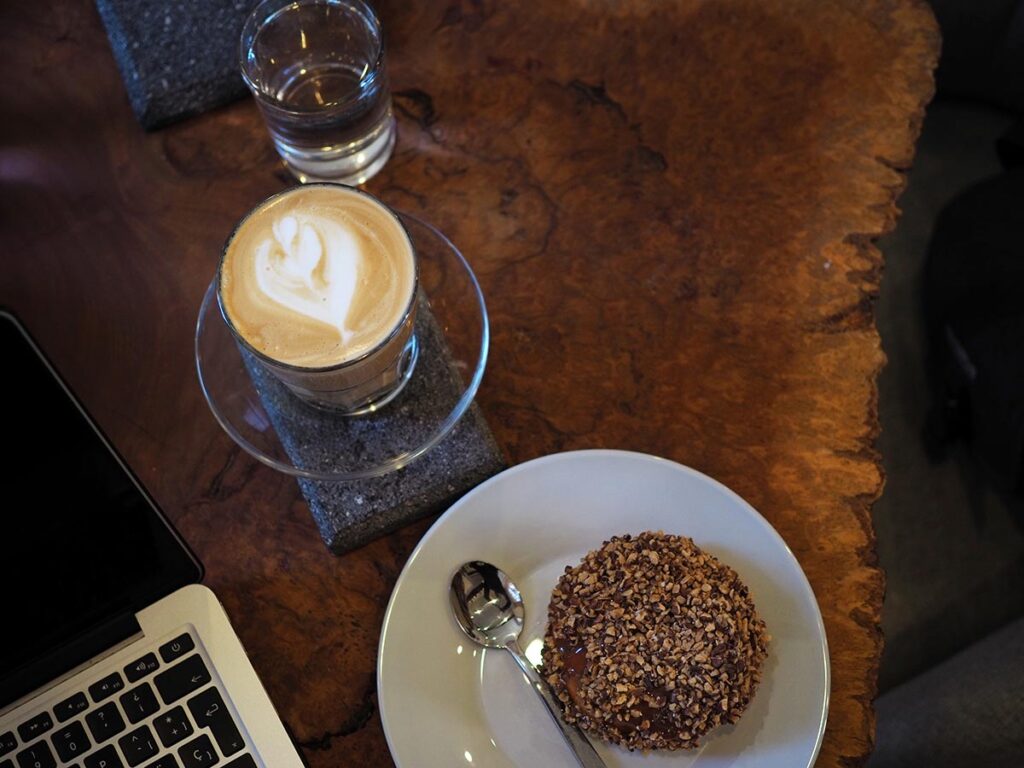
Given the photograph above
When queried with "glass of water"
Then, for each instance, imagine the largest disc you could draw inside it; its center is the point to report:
(317, 71)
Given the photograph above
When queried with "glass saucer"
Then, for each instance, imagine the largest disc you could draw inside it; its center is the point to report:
(299, 439)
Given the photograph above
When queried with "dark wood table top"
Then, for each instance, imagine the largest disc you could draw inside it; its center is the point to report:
(671, 208)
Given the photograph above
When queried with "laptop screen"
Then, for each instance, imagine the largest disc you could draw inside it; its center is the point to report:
(83, 548)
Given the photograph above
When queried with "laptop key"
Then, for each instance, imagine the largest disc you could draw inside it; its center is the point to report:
(70, 707)
(106, 687)
(105, 758)
(208, 711)
(105, 723)
(245, 761)
(137, 746)
(139, 703)
(37, 756)
(6, 764)
(182, 679)
(139, 668)
(173, 726)
(198, 753)
(71, 741)
(36, 726)
(167, 761)
(177, 648)
(227, 736)
(7, 743)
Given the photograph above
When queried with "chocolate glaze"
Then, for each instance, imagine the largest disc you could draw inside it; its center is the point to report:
(652, 701)
(574, 663)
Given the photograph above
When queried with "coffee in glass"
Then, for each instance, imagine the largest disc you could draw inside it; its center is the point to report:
(319, 284)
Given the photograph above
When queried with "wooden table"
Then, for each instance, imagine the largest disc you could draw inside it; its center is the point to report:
(670, 206)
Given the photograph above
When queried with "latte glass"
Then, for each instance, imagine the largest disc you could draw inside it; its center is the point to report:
(317, 71)
(353, 386)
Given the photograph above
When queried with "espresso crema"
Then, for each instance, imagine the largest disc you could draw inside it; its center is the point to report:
(318, 276)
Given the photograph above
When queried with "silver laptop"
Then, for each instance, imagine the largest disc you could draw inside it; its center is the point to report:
(112, 655)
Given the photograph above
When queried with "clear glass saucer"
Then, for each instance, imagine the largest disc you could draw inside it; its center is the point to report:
(309, 442)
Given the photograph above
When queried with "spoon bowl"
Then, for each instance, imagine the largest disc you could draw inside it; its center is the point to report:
(487, 606)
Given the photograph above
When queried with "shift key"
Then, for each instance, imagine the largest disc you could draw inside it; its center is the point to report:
(182, 679)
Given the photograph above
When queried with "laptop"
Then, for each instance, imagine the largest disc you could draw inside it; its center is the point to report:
(112, 655)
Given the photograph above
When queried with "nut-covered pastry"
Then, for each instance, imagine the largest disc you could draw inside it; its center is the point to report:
(651, 643)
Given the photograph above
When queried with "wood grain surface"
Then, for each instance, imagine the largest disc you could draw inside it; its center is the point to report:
(671, 207)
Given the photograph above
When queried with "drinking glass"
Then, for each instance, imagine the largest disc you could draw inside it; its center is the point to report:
(317, 71)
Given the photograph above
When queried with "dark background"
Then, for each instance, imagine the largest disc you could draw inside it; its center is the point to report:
(950, 523)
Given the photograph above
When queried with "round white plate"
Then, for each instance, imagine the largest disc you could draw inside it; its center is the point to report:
(445, 702)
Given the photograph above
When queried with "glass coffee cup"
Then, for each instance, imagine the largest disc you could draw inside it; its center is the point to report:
(318, 284)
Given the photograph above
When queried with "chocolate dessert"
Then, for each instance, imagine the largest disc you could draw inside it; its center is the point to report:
(651, 643)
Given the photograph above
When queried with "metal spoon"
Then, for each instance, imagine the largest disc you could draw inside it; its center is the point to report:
(489, 609)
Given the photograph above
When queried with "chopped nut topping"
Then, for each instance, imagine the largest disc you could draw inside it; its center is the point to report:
(651, 643)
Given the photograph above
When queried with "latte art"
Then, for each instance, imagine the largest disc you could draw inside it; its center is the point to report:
(310, 266)
(318, 276)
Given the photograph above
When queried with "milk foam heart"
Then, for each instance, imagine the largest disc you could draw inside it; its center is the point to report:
(310, 267)
(317, 276)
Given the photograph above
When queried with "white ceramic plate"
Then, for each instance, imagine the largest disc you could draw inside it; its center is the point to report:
(445, 702)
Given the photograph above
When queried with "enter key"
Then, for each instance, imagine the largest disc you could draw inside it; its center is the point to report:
(209, 711)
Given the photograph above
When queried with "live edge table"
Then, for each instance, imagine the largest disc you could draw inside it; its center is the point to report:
(671, 207)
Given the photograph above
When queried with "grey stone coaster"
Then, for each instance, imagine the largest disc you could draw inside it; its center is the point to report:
(176, 59)
(352, 512)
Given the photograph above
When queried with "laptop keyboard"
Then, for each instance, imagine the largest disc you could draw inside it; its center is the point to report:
(154, 713)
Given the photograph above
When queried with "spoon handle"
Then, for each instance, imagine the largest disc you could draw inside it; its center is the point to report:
(579, 744)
